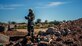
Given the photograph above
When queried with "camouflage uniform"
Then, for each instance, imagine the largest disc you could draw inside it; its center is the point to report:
(30, 17)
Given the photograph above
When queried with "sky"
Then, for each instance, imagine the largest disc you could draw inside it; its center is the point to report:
(16, 10)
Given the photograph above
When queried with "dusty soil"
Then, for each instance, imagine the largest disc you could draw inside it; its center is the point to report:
(22, 32)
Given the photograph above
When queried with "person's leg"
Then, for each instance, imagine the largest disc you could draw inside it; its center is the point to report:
(28, 29)
(32, 33)
(32, 28)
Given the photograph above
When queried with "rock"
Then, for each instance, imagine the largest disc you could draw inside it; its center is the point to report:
(50, 31)
(68, 42)
(57, 34)
(58, 39)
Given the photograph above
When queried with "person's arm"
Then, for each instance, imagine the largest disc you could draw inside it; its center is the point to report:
(26, 17)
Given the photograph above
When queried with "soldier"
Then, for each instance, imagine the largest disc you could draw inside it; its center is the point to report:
(30, 17)
(8, 27)
(15, 26)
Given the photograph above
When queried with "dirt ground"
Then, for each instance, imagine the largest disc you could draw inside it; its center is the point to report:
(35, 30)
(22, 32)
